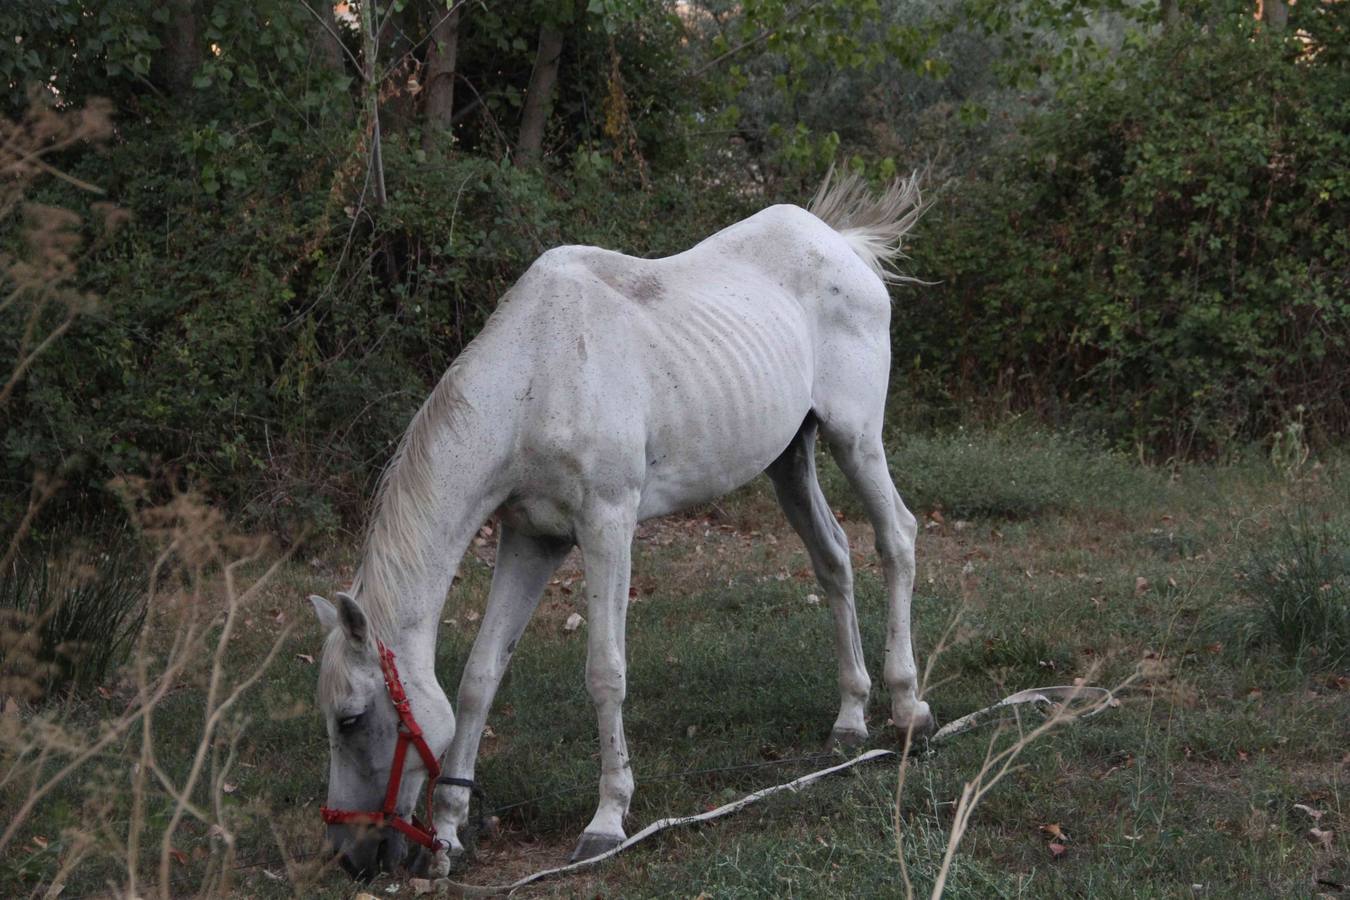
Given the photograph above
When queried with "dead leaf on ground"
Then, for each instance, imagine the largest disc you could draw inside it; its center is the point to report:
(1057, 850)
(574, 621)
(1322, 838)
(1054, 830)
(1315, 814)
(179, 856)
(1140, 584)
(229, 787)
(305, 658)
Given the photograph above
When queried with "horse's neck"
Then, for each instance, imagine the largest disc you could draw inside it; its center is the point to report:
(447, 479)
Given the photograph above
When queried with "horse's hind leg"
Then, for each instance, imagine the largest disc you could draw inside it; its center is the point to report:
(606, 539)
(859, 452)
(794, 480)
(524, 565)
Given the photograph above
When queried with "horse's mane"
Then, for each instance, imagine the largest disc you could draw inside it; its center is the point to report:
(401, 535)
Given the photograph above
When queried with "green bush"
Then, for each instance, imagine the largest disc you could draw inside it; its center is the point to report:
(1160, 253)
(1300, 582)
(68, 624)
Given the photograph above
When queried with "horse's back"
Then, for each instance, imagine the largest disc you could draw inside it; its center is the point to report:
(685, 376)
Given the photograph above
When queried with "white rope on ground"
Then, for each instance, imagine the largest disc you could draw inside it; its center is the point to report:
(1045, 699)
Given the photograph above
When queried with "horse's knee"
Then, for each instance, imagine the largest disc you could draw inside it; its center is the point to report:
(606, 682)
(476, 692)
(909, 526)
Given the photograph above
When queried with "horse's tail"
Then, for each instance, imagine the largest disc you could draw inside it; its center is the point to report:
(873, 225)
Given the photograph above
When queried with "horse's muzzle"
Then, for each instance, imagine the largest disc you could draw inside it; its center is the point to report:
(364, 852)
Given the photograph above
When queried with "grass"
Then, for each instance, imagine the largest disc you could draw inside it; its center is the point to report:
(1302, 580)
(1197, 779)
(72, 617)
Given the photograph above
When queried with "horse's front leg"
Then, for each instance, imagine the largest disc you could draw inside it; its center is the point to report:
(606, 549)
(524, 564)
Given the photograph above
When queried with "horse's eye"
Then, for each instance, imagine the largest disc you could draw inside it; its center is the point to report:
(347, 724)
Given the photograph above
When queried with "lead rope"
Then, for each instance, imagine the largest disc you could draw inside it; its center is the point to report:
(1044, 699)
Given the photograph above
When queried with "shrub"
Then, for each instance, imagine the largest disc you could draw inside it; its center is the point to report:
(1160, 253)
(1300, 581)
(68, 623)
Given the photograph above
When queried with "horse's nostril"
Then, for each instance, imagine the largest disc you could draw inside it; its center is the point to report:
(360, 858)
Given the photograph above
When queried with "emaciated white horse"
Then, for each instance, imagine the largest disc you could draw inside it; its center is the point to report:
(603, 391)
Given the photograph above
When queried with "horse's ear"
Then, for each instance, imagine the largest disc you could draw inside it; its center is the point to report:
(328, 616)
(352, 618)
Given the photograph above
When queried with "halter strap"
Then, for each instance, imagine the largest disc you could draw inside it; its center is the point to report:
(409, 732)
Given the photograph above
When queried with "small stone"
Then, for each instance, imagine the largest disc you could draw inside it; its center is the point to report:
(574, 621)
(812, 599)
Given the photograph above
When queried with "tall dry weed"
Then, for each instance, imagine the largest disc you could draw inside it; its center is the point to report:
(131, 808)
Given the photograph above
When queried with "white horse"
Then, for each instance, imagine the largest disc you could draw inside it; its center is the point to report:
(605, 390)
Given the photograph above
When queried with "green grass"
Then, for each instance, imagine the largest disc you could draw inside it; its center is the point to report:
(1193, 780)
(1008, 472)
(1301, 580)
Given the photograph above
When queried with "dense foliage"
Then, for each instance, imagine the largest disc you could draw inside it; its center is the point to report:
(1149, 239)
(1163, 252)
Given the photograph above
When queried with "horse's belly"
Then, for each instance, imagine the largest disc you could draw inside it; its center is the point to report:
(673, 485)
(735, 406)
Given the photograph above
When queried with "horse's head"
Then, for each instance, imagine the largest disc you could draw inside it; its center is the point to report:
(363, 736)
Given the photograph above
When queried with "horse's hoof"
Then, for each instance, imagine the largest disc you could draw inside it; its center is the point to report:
(919, 722)
(449, 861)
(592, 845)
(846, 739)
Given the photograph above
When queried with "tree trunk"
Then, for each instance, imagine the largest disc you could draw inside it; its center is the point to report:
(1275, 13)
(1171, 14)
(325, 36)
(372, 98)
(440, 82)
(182, 54)
(539, 94)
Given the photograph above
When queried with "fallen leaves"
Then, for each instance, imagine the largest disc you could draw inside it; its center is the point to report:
(1058, 844)
(1314, 814)
(305, 658)
(574, 621)
(1323, 838)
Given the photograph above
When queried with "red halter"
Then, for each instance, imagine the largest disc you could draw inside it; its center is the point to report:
(408, 733)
